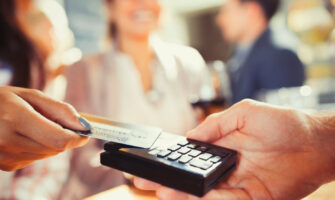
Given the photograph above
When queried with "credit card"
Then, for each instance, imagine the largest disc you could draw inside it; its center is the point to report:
(120, 132)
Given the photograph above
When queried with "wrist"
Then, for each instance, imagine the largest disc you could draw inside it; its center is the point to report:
(323, 131)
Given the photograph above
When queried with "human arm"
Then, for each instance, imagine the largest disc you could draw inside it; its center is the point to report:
(31, 127)
(283, 153)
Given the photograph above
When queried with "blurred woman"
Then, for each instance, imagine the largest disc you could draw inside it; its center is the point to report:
(20, 60)
(140, 79)
(22, 64)
(47, 27)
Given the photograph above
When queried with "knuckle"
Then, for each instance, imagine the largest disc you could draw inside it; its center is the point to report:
(213, 116)
(4, 90)
(66, 108)
(27, 92)
(246, 102)
(8, 118)
(35, 92)
(8, 113)
(69, 108)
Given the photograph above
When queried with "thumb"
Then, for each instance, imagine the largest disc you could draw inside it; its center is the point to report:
(209, 130)
(220, 125)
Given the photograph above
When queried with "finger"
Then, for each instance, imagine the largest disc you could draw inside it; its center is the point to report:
(215, 127)
(27, 156)
(165, 193)
(43, 131)
(237, 141)
(144, 184)
(25, 144)
(207, 131)
(223, 193)
(215, 194)
(222, 124)
(18, 143)
(59, 112)
(227, 194)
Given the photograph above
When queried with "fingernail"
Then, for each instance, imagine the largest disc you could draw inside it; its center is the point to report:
(84, 123)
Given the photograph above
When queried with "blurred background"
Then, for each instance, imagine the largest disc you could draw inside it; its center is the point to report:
(157, 83)
(304, 26)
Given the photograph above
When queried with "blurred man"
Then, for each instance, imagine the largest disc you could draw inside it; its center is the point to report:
(258, 64)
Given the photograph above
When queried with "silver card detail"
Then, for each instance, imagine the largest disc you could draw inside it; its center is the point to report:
(122, 133)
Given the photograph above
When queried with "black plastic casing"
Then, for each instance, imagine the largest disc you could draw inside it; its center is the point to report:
(171, 174)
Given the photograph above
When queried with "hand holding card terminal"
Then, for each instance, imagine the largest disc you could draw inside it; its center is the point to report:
(183, 164)
(171, 160)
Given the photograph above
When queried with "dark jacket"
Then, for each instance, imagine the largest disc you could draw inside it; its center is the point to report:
(266, 67)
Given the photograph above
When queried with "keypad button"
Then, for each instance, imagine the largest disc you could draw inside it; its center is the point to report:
(206, 165)
(201, 164)
(202, 148)
(174, 148)
(215, 159)
(183, 143)
(185, 159)
(205, 156)
(174, 156)
(191, 146)
(194, 153)
(163, 153)
(184, 150)
(154, 152)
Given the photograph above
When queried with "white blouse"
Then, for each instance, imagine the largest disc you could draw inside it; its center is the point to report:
(110, 85)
